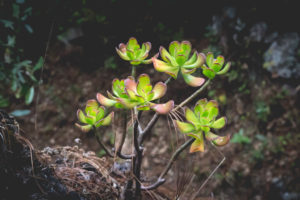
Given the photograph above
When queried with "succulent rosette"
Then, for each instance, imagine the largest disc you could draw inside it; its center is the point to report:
(214, 67)
(134, 53)
(179, 58)
(94, 116)
(200, 122)
(129, 94)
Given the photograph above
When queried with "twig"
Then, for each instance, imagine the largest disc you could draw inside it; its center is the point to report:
(192, 96)
(148, 128)
(102, 145)
(161, 179)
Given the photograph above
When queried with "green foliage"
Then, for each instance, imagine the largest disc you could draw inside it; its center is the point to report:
(240, 138)
(129, 94)
(16, 72)
(134, 53)
(179, 58)
(94, 117)
(200, 122)
(262, 110)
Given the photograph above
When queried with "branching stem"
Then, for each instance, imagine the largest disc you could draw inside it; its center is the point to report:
(175, 155)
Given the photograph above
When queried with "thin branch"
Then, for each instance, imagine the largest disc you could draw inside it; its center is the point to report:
(148, 128)
(110, 154)
(161, 179)
(123, 137)
(192, 96)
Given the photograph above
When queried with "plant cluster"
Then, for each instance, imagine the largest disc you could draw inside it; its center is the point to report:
(139, 96)
(16, 72)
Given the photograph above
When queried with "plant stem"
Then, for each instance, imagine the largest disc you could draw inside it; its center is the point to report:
(137, 160)
(148, 128)
(102, 145)
(192, 96)
(123, 137)
(133, 71)
(175, 155)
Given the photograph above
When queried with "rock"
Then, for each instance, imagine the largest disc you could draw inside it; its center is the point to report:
(258, 31)
(280, 58)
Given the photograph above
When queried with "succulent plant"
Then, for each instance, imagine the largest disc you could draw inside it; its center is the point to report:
(94, 117)
(200, 122)
(178, 59)
(128, 93)
(214, 67)
(134, 53)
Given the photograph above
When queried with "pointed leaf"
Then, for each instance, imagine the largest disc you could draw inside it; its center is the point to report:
(192, 80)
(105, 101)
(165, 67)
(219, 123)
(29, 95)
(163, 108)
(185, 127)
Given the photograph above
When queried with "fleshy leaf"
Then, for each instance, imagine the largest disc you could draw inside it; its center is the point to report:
(143, 84)
(209, 59)
(163, 108)
(216, 67)
(217, 140)
(220, 60)
(100, 114)
(105, 101)
(197, 63)
(132, 44)
(123, 55)
(165, 67)
(130, 84)
(192, 80)
(81, 116)
(190, 116)
(209, 73)
(105, 121)
(166, 56)
(159, 90)
(180, 59)
(225, 69)
(186, 47)
(219, 123)
(197, 145)
(185, 127)
(118, 87)
(84, 128)
(91, 105)
(173, 47)
(127, 103)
